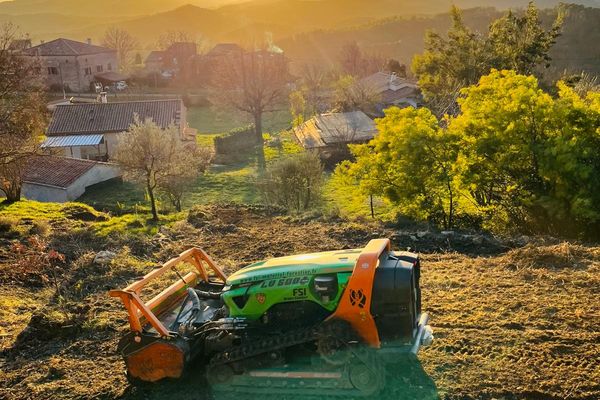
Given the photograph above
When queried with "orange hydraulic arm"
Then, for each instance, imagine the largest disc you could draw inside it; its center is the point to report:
(139, 311)
(355, 304)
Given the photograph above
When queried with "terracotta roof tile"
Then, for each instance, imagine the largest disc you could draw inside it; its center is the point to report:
(65, 47)
(56, 171)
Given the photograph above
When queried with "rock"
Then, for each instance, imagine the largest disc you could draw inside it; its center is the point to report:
(447, 233)
(478, 240)
(422, 234)
(413, 238)
(104, 257)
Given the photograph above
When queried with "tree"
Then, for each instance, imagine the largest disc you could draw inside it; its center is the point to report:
(294, 182)
(521, 43)
(449, 64)
(155, 157)
(395, 67)
(412, 162)
(505, 123)
(350, 95)
(353, 62)
(22, 113)
(166, 39)
(255, 83)
(310, 96)
(120, 40)
(184, 173)
(529, 160)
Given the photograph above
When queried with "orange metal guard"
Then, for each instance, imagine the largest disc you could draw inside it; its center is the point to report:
(355, 304)
(140, 312)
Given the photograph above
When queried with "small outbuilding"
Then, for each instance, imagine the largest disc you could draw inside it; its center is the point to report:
(61, 179)
(330, 131)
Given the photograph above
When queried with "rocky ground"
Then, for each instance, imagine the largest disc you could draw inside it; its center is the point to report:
(513, 319)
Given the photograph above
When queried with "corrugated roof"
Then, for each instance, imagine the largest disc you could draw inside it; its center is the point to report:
(94, 118)
(56, 171)
(333, 128)
(73, 140)
(65, 47)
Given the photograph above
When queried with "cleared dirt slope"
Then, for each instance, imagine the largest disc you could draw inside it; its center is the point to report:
(516, 323)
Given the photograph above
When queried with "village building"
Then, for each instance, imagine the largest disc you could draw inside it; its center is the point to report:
(74, 66)
(392, 90)
(61, 179)
(91, 130)
(331, 130)
(176, 60)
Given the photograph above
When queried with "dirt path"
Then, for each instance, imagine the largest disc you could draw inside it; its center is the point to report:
(524, 324)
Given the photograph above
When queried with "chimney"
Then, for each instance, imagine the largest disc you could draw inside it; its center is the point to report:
(89, 41)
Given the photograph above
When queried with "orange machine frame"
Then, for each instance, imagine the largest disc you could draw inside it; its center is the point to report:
(139, 311)
(360, 287)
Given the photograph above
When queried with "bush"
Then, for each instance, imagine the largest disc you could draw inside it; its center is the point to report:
(40, 227)
(294, 183)
(8, 224)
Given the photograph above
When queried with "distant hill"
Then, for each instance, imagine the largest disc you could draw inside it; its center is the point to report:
(577, 49)
(103, 8)
(305, 29)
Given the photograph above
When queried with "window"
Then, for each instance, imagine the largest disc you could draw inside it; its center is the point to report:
(87, 71)
(52, 71)
(99, 68)
(109, 67)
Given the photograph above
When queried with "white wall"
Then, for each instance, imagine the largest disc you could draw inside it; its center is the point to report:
(45, 193)
(99, 173)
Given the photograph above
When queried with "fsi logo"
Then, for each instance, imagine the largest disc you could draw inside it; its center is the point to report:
(358, 298)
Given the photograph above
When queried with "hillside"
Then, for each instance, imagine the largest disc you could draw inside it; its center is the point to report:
(577, 49)
(233, 20)
(512, 320)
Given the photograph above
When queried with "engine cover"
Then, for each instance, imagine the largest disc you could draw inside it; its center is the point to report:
(396, 302)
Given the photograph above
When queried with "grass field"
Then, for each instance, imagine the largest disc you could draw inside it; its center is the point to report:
(221, 184)
(209, 120)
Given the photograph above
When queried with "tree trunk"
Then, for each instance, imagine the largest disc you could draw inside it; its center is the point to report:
(12, 190)
(371, 204)
(260, 149)
(152, 202)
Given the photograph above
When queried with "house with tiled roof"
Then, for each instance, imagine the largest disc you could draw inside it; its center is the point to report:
(62, 179)
(392, 90)
(74, 65)
(91, 130)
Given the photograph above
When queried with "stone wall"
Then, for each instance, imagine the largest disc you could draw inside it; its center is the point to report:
(71, 70)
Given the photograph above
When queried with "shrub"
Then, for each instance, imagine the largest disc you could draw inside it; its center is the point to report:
(40, 227)
(8, 224)
(294, 182)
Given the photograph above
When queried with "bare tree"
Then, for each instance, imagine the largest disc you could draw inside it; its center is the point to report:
(254, 82)
(120, 40)
(358, 64)
(165, 40)
(22, 113)
(153, 156)
(350, 95)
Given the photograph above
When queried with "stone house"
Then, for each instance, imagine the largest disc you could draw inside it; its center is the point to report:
(331, 130)
(73, 65)
(177, 60)
(392, 91)
(91, 130)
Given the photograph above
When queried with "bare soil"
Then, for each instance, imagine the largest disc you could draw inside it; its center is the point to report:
(510, 322)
